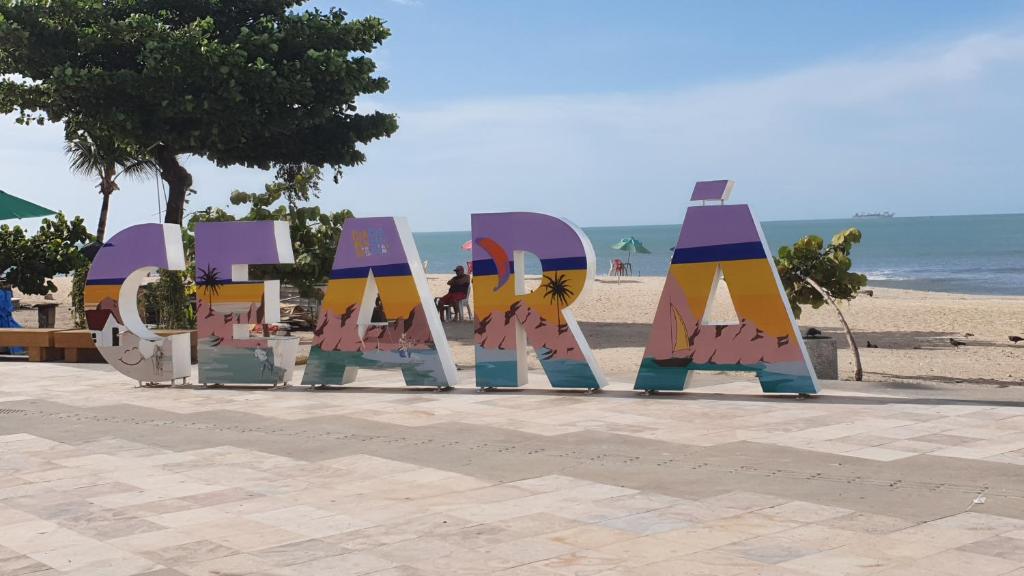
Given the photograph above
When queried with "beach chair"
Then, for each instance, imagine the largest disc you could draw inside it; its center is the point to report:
(462, 309)
(617, 268)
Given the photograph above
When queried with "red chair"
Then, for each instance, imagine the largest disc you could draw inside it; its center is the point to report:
(617, 268)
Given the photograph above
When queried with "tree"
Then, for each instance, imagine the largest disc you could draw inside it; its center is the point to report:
(314, 233)
(29, 262)
(254, 83)
(169, 299)
(107, 162)
(814, 274)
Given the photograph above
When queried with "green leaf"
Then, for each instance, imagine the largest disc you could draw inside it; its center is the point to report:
(252, 83)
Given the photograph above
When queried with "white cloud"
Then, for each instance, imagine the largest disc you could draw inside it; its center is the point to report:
(921, 131)
(910, 133)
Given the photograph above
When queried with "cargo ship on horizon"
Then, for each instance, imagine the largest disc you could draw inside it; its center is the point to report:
(874, 215)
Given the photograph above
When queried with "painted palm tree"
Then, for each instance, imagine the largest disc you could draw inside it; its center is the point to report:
(557, 291)
(107, 162)
(209, 279)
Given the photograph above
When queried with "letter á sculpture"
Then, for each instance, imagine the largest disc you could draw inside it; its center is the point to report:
(724, 241)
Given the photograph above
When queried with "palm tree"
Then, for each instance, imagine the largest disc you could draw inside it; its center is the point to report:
(108, 162)
(557, 291)
(209, 278)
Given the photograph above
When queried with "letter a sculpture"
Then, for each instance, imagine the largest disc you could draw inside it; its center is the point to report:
(724, 241)
(377, 256)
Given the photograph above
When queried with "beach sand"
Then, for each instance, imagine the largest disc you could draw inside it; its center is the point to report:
(910, 328)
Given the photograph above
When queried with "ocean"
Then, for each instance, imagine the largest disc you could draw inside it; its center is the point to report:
(959, 254)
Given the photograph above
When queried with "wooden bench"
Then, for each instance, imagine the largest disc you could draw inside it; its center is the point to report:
(38, 342)
(79, 347)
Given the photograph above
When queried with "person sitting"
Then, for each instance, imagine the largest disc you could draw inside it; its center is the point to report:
(458, 290)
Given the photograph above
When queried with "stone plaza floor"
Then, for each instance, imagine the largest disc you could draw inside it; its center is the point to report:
(100, 477)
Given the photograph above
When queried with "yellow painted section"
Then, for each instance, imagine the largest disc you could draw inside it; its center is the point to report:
(696, 281)
(682, 341)
(398, 294)
(486, 300)
(232, 293)
(343, 293)
(97, 293)
(484, 296)
(756, 296)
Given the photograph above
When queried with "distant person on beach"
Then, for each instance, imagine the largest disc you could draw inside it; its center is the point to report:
(458, 290)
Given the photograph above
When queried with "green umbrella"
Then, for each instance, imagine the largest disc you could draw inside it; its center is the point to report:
(630, 245)
(13, 207)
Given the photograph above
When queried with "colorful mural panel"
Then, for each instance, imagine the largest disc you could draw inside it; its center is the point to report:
(507, 318)
(724, 241)
(236, 317)
(111, 304)
(377, 257)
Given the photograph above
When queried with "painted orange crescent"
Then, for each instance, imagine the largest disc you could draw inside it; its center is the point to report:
(500, 258)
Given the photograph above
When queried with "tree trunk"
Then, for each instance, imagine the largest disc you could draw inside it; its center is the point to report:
(179, 181)
(107, 187)
(101, 227)
(858, 371)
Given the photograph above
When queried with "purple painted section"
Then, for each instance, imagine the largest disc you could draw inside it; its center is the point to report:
(717, 225)
(544, 236)
(127, 251)
(709, 190)
(219, 245)
(369, 242)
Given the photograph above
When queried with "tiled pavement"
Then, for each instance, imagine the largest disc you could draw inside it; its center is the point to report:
(99, 477)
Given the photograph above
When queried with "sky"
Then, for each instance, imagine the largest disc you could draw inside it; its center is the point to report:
(606, 113)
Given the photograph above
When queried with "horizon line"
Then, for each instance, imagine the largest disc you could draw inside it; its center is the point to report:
(795, 220)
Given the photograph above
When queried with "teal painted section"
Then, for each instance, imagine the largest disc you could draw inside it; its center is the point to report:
(419, 367)
(568, 373)
(493, 370)
(224, 365)
(653, 376)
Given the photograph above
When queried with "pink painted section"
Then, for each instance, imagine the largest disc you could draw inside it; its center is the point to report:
(341, 332)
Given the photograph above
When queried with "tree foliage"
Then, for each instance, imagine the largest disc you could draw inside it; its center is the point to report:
(168, 301)
(814, 274)
(29, 262)
(828, 266)
(314, 233)
(255, 83)
(106, 161)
